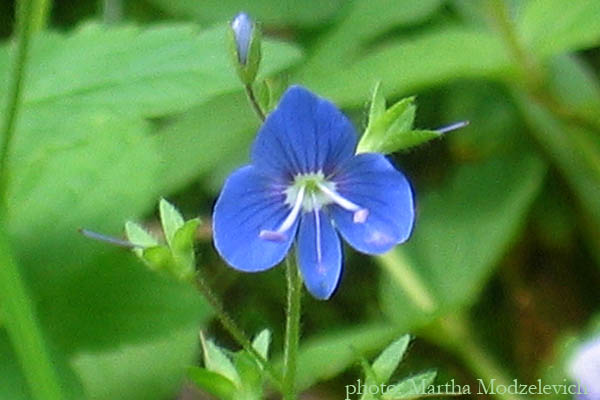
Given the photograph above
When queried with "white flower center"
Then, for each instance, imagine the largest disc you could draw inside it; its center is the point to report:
(309, 193)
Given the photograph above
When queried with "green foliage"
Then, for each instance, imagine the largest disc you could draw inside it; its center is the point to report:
(391, 130)
(115, 117)
(238, 376)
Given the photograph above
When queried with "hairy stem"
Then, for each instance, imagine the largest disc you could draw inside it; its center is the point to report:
(236, 332)
(292, 329)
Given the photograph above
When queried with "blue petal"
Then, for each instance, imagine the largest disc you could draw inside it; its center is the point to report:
(319, 254)
(304, 134)
(371, 182)
(249, 203)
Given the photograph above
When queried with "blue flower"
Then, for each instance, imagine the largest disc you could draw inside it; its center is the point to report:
(584, 367)
(306, 183)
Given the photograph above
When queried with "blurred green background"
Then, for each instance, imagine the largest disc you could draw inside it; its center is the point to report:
(127, 101)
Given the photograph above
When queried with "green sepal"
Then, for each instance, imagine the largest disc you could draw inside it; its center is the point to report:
(182, 248)
(246, 72)
(391, 130)
(212, 382)
(158, 258)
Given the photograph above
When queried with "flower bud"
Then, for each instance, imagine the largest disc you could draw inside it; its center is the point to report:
(245, 47)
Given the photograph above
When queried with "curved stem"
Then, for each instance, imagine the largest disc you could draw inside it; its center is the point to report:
(292, 329)
(254, 102)
(235, 331)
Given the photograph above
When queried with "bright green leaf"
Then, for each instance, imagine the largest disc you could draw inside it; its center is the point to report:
(387, 362)
(137, 71)
(171, 220)
(215, 360)
(139, 236)
(261, 343)
(549, 27)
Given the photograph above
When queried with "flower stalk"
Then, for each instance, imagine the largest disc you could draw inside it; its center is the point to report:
(292, 329)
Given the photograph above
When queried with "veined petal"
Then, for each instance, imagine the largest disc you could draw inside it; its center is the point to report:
(248, 204)
(304, 134)
(371, 182)
(319, 254)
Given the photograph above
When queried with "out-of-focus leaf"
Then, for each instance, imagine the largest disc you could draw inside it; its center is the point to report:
(283, 12)
(183, 143)
(138, 71)
(250, 376)
(423, 61)
(114, 301)
(552, 26)
(343, 348)
(152, 370)
(215, 360)
(13, 384)
(212, 382)
(410, 388)
(462, 231)
(365, 20)
(575, 150)
(171, 220)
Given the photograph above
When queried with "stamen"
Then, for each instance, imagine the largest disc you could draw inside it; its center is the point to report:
(452, 127)
(318, 230)
(360, 214)
(279, 234)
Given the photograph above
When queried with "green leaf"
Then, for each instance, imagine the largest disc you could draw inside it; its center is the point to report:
(426, 60)
(365, 21)
(388, 360)
(203, 128)
(443, 268)
(250, 376)
(139, 236)
(151, 370)
(411, 388)
(171, 220)
(284, 12)
(212, 382)
(137, 71)
(549, 27)
(182, 248)
(261, 343)
(377, 107)
(215, 360)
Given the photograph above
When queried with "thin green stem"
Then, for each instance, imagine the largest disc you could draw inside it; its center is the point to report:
(292, 328)
(24, 330)
(236, 332)
(400, 270)
(23, 36)
(254, 102)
